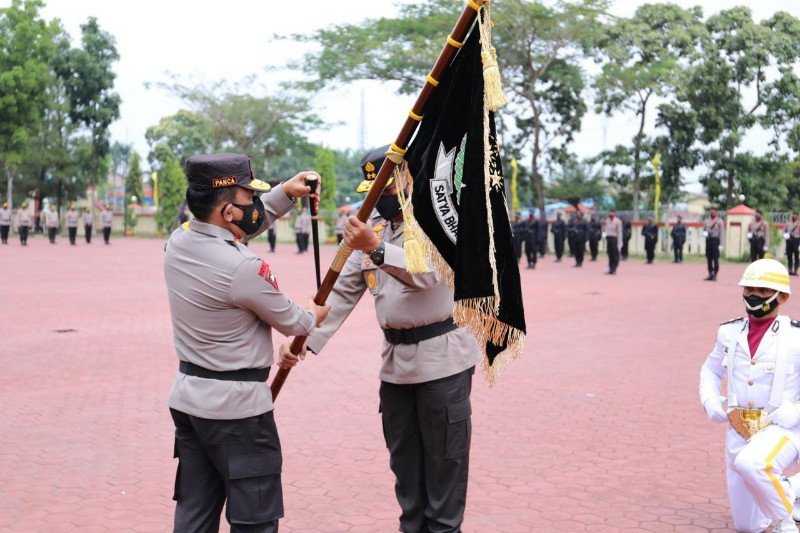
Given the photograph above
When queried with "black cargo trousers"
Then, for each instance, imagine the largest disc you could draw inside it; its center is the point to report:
(235, 460)
(428, 428)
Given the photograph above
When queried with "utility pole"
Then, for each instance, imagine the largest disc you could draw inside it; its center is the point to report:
(362, 123)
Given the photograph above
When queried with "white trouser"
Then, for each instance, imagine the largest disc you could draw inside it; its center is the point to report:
(757, 490)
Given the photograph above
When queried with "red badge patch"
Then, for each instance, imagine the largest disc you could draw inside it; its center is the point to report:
(265, 272)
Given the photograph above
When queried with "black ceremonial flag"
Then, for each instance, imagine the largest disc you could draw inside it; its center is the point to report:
(459, 203)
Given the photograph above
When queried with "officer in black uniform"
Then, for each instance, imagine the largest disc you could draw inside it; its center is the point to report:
(580, 234)
(792, 236)
(571, 234)
(559, 231)
(678, 235)
(712, 229)
(541, 235)
(531, 241)
(595, 234)
(650, 234)
(272, 239)
(224, 301)
(627, 233)
(519, 230)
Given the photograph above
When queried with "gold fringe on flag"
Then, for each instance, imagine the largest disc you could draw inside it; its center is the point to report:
(413, 248)
(492, 80)
(477, 315)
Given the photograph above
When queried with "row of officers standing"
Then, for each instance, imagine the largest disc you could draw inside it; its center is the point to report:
(23, 221)
(531, 235)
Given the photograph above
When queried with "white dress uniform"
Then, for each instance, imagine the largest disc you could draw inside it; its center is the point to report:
(758, 492)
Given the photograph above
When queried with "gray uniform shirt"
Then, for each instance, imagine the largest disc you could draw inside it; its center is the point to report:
(50, 219)
(793, 229)
(713, 227)
(303, 223)
(87, 219)
(402, 301)
(107, 217)
(23, 217)
(340, 222)
(72, 219)
(613, 228)
(224, 302)
(5, 217)
(758, 229)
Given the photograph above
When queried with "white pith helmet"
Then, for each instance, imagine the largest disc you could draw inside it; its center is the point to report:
(768, 274)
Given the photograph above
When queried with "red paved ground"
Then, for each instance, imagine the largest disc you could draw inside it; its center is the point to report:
(596, 429)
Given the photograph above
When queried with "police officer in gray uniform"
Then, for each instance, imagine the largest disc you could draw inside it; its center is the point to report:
(224, 302)
(107, 219)
(5, 222)
(88, 222)
(428, 363)
(72, 218)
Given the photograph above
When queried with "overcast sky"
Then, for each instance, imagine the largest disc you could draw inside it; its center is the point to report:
(213, 40)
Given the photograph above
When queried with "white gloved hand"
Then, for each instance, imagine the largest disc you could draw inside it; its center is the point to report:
(786, 416)
(715, 411)
(786, 236)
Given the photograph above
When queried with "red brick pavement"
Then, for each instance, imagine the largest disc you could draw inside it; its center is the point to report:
(596, 429)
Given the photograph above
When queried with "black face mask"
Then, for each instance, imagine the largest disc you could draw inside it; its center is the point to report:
(253, 216)
(388, 207)
(758, 306)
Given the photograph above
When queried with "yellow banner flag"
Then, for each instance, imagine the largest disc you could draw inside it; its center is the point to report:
(514, 190)
(656, 162)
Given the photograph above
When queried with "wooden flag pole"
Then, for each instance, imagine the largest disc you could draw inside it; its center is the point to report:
(395, 155)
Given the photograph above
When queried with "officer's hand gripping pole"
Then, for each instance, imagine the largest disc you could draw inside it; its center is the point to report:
(395, 155)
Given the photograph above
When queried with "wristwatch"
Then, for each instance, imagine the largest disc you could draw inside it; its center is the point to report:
(377, 255)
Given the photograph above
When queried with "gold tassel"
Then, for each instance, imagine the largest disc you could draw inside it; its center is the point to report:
(415, 256)
(413, 249)
(495, 98)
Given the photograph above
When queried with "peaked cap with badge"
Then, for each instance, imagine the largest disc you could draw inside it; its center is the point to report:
(370, 166)
(217, 171)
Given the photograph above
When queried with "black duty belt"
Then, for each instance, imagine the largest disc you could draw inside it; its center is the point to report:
(244, 374)
(422, 333)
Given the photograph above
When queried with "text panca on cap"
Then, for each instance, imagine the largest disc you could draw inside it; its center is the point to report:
(217, 171)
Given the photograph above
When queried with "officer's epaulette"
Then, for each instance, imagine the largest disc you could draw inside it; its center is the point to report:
(796, 323)
(737, 319)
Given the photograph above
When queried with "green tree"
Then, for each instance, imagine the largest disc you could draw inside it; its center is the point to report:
(677, 146)
(540, 47)
(265, 128)
(325, 165)
(348, 175)
(27, 48)
(574, 181)
(171, 194)
(88, 79)
(179, 136)
(120, 155)
(133, 189)
(643, 62)
(741, 72)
